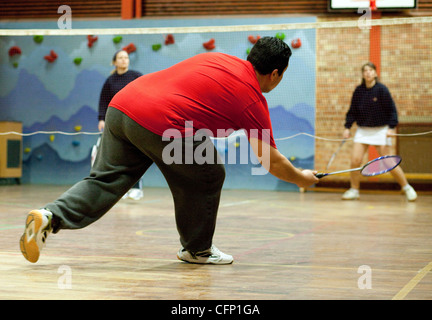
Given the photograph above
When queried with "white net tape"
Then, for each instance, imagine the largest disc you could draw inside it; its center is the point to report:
(206, 29)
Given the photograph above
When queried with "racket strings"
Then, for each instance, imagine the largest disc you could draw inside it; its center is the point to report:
(381, 165)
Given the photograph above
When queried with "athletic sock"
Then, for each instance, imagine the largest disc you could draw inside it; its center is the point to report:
(406, 187)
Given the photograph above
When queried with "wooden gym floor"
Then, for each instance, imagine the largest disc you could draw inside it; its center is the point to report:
(286, 246)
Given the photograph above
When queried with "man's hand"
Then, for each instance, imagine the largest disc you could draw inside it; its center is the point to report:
(309, 178)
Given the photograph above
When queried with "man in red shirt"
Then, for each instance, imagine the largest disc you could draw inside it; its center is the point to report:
(177, 109)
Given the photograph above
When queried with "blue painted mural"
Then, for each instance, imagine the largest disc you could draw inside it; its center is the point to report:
(63, 95)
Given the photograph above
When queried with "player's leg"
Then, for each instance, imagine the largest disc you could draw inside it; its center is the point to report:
(196, 190)
(399, 175)
(397, 172)
(359, 150)
(118, 166)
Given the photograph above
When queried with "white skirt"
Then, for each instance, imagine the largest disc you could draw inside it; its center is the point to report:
(375, 136)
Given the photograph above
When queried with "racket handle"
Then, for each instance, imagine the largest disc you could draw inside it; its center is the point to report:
(320, 175)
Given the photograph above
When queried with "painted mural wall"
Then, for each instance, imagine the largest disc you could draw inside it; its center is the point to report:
(53, 83)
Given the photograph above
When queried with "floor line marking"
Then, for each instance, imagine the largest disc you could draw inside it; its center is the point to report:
(412, 283)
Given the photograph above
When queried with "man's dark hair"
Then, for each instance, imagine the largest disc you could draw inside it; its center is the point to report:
(268, 54)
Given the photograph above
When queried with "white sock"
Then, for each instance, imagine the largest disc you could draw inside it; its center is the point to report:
(406, 187)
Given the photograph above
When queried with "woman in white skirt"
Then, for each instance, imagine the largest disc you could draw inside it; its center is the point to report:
(374, 111)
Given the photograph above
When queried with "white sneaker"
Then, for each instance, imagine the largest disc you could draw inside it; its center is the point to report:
(351, 194)
(209, 256)
(135, 194)
(126, 195)
(38, 227)
(410, 193)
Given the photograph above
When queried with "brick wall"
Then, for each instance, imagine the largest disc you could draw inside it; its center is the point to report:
(406, 69)
(340, 53)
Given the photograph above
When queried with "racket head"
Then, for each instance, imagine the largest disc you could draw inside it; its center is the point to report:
(380, 165)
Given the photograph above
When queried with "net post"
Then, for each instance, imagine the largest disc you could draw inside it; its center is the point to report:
(138, 9)
(127, 9)
(375, 58)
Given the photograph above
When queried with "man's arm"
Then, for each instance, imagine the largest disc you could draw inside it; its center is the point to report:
(279, 166)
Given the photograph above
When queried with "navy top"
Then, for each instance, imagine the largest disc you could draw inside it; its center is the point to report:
(372, 107)
(112, 85)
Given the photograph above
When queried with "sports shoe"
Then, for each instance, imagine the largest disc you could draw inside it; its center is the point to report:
(209, 256)
(38, 227)
(125, 196)
(135, 194)
(410, 193)
(351, 194)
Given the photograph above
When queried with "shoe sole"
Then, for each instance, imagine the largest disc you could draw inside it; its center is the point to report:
(198, 262)
(28, 244)
(414, 198)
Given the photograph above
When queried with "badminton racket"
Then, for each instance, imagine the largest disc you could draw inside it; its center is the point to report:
(372, 168)
(334, 154)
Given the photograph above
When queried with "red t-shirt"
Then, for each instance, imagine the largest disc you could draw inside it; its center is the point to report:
(214, 91)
